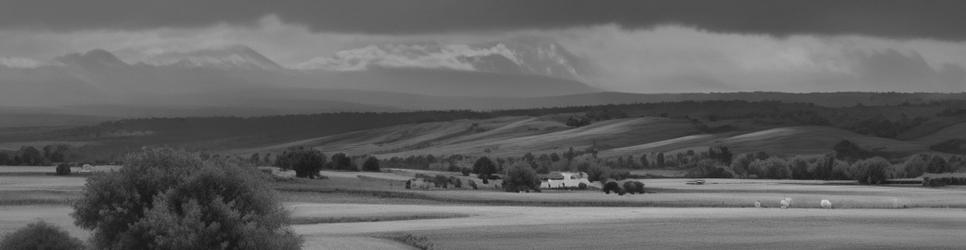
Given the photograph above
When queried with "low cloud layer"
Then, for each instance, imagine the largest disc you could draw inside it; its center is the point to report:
(668, 58)
(933, 19)
(403, 56)
(680, 59)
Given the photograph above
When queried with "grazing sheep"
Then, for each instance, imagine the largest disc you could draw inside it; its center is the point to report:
(786, 203)
(758, 204)
(826, 204)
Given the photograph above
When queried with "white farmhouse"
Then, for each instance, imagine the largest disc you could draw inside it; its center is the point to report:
(563, 180)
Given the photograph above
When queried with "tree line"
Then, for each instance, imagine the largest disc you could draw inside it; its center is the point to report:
(31, 156)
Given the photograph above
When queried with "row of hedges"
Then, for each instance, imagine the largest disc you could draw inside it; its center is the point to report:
(938, 181)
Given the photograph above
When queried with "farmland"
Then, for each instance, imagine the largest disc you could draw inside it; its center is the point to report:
(355, 210)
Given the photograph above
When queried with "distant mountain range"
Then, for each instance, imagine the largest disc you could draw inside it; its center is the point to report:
(195, 78)
(239, 81)
(518, 57)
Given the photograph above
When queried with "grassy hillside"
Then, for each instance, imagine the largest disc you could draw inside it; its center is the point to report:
(613, 129)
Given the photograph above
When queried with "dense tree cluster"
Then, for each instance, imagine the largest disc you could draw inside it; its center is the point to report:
(40, 235)
(307, 162)
(31, 156)
(341, 161)
(169, 199)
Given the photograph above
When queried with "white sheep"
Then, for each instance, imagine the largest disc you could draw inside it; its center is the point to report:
(758, 204)
(786, 203)
(826, 204)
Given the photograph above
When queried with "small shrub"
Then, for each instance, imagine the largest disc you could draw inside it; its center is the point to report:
(457, 183)
(933, 182)
(612, 186)
(466, 171)
(63, 169)
(40, 235)
(582, 186)
(441, 181)
(943, 180)
(472, 184)
(634, 187)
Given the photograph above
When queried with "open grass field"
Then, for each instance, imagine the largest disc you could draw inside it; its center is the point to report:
(669, 192)
(505, 136)
(518, 135)
(804, 140)
(738, 229)
(354, 210)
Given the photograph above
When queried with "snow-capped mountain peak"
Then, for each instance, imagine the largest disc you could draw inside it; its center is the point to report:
(504, 57)
(226, 58)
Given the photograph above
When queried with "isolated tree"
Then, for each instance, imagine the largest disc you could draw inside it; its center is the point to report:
(306, 162)
(597, 172)
(570, 154)
(870, 171)
(55, 153)
(741, 163)
(528, 157)
(720, 153)
(916, 165)
(484, 168)
(5, 158)
(799, 168)
(341, 161)
(554, 157)
(521, 177)
(47, 151)
(30, 156)
(937, 164)
(40, 236)
(823, 167)
(771, 168)
(255, 159)
(170, 199)
(660, 160)
(371, 164)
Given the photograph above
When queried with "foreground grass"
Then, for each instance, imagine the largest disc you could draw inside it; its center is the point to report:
(37, 197)
(373, 218)
(819, 231)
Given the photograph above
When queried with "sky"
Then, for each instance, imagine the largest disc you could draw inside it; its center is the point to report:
(632, 46)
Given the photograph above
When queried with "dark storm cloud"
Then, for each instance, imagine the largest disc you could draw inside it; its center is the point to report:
(938, 19)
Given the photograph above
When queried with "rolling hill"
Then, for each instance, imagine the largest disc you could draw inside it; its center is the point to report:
(614, 130)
